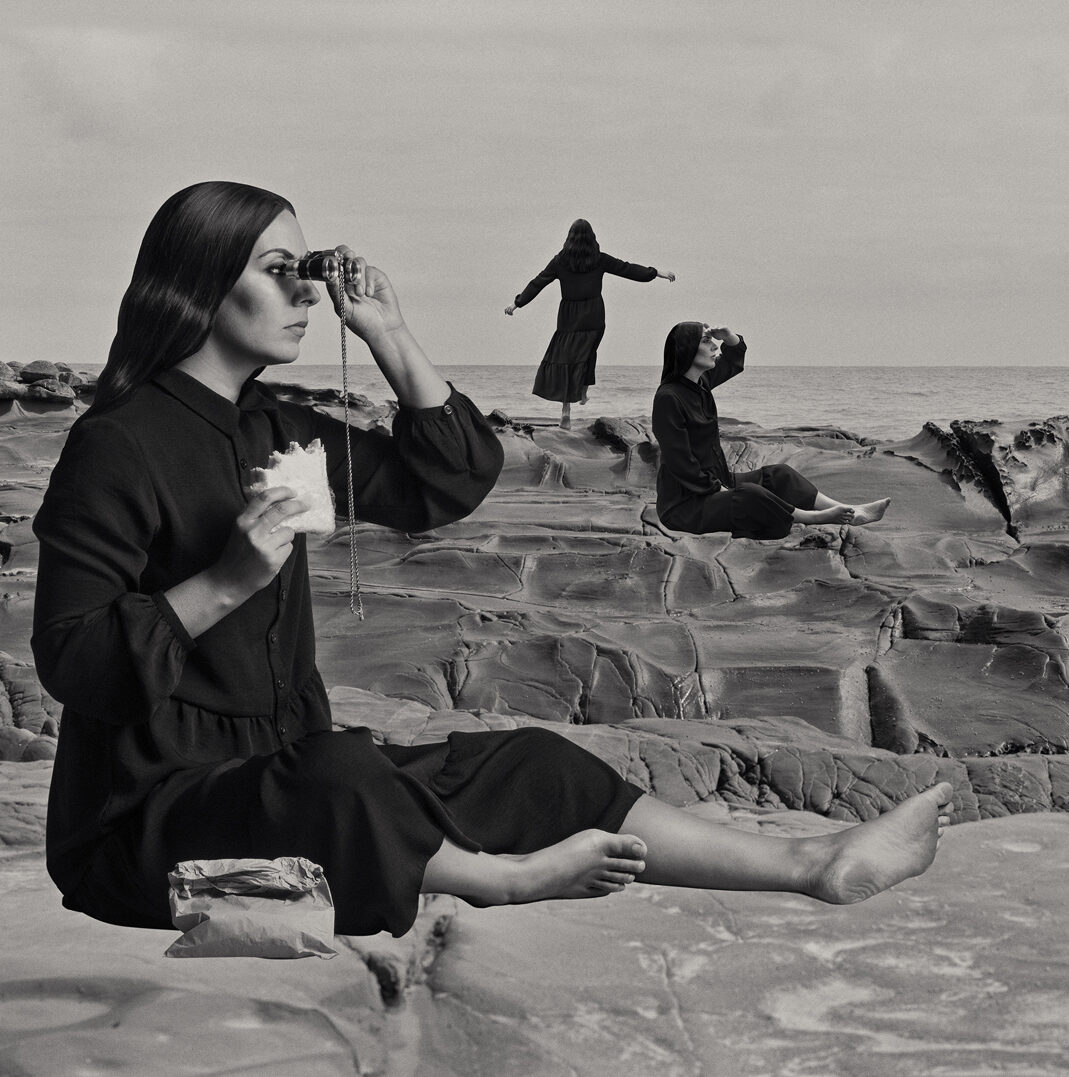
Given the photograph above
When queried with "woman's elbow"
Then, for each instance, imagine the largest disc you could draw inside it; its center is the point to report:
(469, 488)
(51, 669)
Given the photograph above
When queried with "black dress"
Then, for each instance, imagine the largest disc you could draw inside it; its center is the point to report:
(568, 365)
(696, 492)
(172, 748)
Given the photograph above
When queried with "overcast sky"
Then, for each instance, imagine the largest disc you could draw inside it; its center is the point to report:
(844, 182)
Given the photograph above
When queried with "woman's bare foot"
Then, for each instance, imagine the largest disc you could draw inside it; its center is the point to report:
(873, 856)
(582, 399)
(871, 512)
(592, 863)
(566, 417)
(837, 514)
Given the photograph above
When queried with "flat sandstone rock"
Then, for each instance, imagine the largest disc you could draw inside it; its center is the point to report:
(835, 671)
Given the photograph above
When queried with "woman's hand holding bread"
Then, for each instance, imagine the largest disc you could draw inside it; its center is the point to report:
(259, 543)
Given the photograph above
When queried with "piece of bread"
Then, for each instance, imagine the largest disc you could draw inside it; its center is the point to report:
(304, 471)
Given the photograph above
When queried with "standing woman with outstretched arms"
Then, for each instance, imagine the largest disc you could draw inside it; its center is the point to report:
(567, 368)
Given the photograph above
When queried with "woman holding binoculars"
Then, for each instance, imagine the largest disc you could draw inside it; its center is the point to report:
(174, 623)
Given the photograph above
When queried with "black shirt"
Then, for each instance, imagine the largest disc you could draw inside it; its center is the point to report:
(688, 433)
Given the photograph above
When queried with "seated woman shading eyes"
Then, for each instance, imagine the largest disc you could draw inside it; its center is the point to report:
(696, 490)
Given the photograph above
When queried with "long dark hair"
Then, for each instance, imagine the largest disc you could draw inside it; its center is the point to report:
(195, 249)
(580, 251)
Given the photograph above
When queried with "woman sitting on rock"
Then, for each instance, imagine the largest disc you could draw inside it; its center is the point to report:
(696, 491)
(174, 622)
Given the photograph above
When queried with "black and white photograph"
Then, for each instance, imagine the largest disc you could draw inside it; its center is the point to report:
(534, 538)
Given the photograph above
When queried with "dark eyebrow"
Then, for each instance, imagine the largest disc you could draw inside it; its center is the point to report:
(277, 250)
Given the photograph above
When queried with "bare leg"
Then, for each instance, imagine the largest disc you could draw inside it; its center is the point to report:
(565, 416)
(842, 868)
(592, 863)
(582, 399)
(868, 513)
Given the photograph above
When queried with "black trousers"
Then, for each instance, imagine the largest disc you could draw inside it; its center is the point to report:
(759, 506)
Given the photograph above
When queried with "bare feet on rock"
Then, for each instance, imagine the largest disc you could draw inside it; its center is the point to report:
(837, 514)
(876, 855)
(870, 512)
(592, 863)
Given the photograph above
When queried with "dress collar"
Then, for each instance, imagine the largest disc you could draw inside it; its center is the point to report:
(698, 386)
(209, 405)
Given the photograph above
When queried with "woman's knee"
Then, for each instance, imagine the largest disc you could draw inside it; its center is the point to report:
(751, 491)
(782, 473)
(537, 740)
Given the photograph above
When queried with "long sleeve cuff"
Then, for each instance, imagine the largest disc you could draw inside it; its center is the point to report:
(168, 614)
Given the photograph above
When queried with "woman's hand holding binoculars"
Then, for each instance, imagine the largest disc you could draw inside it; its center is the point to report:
(366, 299)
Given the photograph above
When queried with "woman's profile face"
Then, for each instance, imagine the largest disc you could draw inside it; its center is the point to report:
(263, 317)
(708, 350)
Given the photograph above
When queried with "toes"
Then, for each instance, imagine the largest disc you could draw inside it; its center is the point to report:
(624, 878)
(626, 846)
(628, 867)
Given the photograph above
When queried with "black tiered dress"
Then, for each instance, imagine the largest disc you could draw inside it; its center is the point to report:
(568, 365)
(172, 748)
(696, 491)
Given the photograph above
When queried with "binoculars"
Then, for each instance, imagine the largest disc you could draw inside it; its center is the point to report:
(319, 265)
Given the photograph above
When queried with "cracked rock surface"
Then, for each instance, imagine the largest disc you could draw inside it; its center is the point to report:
(834, 673)
(933, 642)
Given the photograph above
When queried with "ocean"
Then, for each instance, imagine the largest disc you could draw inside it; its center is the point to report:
(886, 403)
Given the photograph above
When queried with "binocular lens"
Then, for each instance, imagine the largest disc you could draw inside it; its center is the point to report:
(316, 265)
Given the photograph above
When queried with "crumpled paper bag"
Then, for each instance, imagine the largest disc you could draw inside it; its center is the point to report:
(251, 908)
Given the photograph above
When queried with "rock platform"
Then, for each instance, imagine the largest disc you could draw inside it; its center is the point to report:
(796, 684)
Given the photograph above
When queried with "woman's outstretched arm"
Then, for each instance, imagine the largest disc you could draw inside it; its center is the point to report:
(534, 286)
(630, 271)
